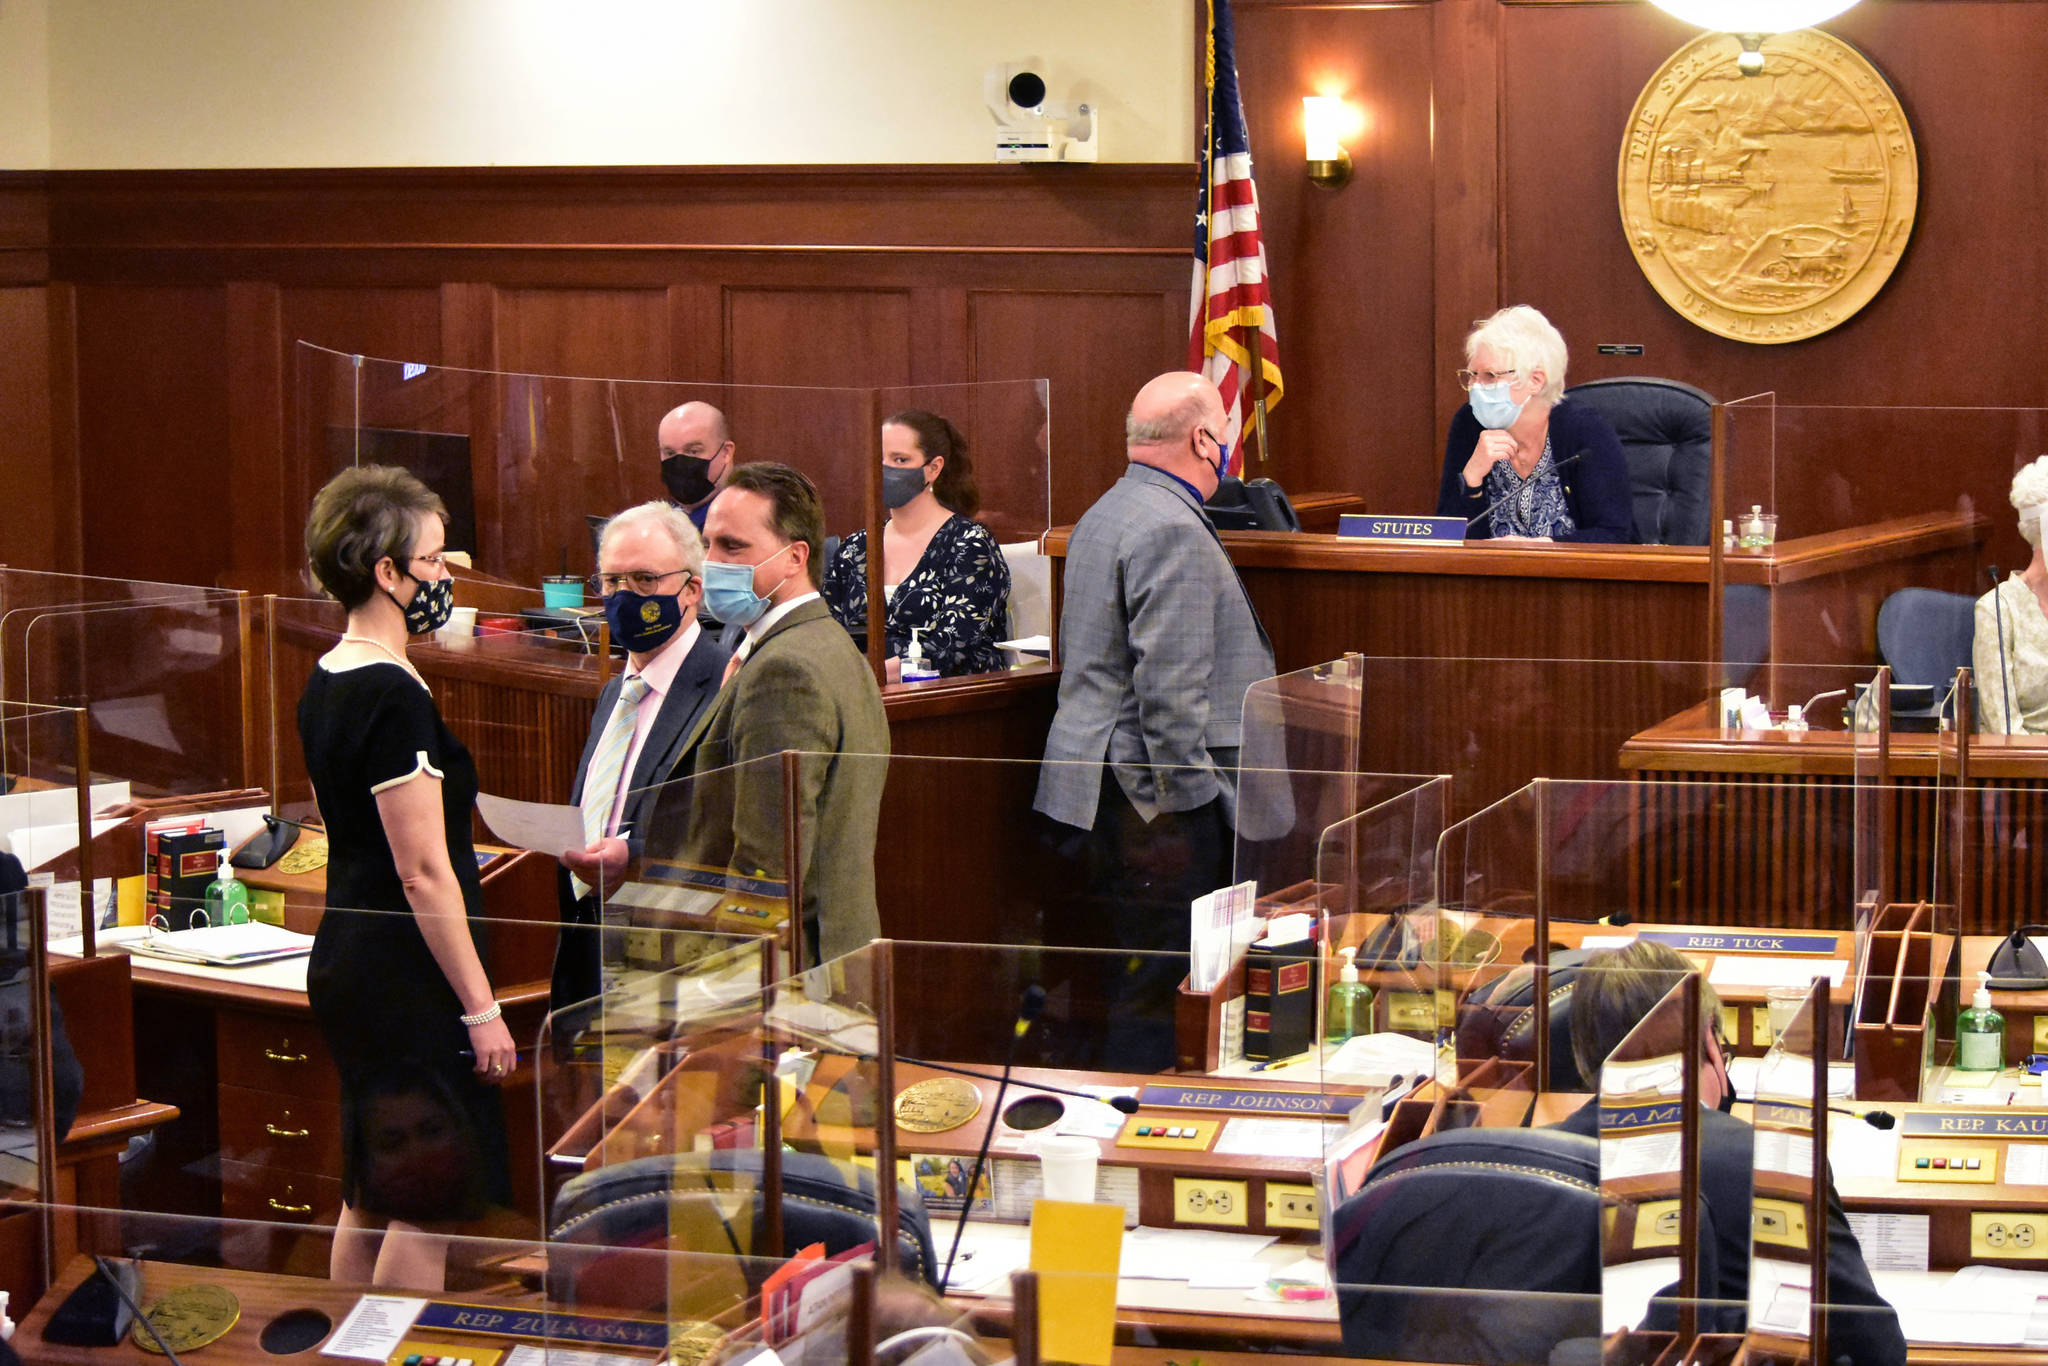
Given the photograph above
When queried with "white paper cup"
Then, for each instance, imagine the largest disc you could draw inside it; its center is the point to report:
(1068, 1165)
(461, 625)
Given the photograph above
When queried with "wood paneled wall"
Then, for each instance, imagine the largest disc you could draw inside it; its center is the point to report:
(148, 318)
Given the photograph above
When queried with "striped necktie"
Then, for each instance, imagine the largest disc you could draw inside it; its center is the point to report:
(601, 782)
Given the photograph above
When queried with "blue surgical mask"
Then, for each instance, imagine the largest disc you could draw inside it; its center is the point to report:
(729, 590)
(1492, 406)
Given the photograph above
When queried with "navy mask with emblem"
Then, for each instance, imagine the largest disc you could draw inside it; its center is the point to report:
(643, 622)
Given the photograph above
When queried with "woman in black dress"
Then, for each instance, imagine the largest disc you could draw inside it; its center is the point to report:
(396, 980)
(942, 572)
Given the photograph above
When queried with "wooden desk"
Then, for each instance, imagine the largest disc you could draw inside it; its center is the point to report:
(1431, 607)
(1792, 796)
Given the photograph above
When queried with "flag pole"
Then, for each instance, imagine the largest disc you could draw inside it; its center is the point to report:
(1258, 377)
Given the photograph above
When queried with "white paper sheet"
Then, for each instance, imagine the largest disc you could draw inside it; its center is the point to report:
(1861, 1153)
(1247, 1136)
(51, 806)
(1228, 1276)
(1788, 1153)
(1381, 1057)
(1893, 1242)
(36, 845)
(1780, 1296)
(1745, 970)
(545, 827)
(526, 1354)
(1626, 1289)
(2026, 1164)
(1157, 1254)
(374, 1328)
(1090, 1118)
(1639, 1155)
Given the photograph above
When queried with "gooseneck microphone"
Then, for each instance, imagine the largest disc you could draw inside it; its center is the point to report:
(1555, 466)
(1027, 1011)
(2004, 669)
(1876, 1119)
(1124, 1104)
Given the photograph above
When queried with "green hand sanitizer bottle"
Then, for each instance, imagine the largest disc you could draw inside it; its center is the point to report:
(1980, 1032)
(1347, 1011)
(227, 897)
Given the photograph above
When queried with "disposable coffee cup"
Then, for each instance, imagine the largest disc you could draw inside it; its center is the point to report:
(1068, 1165)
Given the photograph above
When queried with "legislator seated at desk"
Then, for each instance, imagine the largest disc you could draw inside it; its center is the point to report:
(943, 577)
(2010, 657)
(1520, 465)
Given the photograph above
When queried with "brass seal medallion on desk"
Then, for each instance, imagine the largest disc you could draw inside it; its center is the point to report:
(937, 1104)
(189, 1318)
(1768, 208)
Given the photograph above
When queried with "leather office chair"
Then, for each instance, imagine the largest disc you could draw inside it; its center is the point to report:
(602, 1218)
(1462, 1217)
(1666, 431)
(1926, 635)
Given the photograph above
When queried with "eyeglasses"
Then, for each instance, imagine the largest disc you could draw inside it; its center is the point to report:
(641, 581)
(438, 561)
(1468, 378)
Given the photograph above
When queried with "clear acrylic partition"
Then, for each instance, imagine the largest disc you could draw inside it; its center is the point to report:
(714, 1102)
(530, 464)
(164, 672)
(1942, 517)
(1789, 1208)
(1647, 1088)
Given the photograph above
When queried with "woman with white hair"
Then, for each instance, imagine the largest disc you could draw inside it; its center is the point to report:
(1520, 464)
(2010, 648)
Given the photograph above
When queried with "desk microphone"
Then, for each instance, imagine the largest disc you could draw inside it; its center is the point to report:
(1555, 465)
(1124, 1104)
(2004, 669)
(1876, 1119)
(113, 1278)
(1027, 1011)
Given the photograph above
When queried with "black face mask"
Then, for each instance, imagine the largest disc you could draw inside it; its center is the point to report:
(687, 479)
(431, 606)
(901, 484)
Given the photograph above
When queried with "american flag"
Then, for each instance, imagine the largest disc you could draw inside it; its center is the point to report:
(1232, 309)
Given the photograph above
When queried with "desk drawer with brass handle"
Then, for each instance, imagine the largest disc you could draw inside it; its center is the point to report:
(274, 1197)
(270, 1130)
(264, 1052)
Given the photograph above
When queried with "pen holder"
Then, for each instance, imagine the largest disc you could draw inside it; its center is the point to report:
(1208, 1026)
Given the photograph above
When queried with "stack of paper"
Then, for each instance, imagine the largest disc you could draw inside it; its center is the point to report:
(224, 946)
(1223, 925)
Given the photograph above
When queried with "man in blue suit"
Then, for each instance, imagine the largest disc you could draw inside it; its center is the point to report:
(651, 573)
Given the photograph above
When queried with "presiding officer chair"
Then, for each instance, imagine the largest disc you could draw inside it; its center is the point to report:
(1445, 1225)
(1667, 435)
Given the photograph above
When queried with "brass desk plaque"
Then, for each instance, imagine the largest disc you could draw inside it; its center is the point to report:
(1768, 208)
(189, 1318)
(937, 1104)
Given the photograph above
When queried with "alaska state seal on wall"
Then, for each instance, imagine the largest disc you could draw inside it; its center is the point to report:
(1768, 208)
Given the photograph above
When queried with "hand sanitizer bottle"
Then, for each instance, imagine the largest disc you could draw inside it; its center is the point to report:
(916, 668)
(227, 897)
(1980, 1032)
(1347, 1011)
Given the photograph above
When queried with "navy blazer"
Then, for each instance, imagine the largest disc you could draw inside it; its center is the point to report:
(578, 953)
(1865, 1333)
(1596, 488)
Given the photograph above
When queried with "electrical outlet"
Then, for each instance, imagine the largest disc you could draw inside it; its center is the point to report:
(1779, 1222)
(1657, 1224)
(2009, 1235)
(1197, 1201)
(1291, 1206)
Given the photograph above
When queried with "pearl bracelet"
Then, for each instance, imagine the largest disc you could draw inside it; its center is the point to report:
(482, 1016)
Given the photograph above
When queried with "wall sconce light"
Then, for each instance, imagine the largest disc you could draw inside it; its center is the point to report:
(1752, 21)
(1327, 120)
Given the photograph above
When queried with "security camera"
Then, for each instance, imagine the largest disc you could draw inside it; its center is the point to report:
(1031, 128)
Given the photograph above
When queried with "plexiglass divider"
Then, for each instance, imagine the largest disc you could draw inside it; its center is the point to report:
(531, 465)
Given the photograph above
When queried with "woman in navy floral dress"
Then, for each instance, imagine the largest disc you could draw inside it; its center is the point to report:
(942, 573)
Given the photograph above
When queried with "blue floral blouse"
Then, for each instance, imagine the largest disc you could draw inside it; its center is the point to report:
(957, 598)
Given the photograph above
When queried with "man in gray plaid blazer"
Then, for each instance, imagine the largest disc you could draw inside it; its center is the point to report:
(1158, 643)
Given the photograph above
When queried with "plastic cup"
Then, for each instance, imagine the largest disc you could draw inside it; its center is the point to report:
(1068, 1165)
(1783, 1003)
(460, 627)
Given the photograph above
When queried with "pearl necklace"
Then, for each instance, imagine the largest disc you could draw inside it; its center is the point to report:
(396, 657)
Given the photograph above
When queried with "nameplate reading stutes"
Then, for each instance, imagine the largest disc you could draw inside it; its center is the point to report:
(1366, 526)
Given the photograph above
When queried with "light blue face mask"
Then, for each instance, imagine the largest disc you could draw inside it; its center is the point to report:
(729, 590)
(1492, 406)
